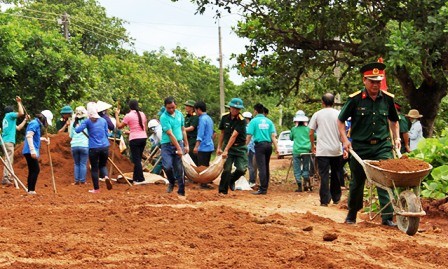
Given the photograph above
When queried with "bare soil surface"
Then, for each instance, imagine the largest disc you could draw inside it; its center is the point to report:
(402, 165)
(145, 227)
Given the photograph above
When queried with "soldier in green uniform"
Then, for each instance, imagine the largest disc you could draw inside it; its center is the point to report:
(191, 127)
(233, 139)
(373, 113)
(404, 130)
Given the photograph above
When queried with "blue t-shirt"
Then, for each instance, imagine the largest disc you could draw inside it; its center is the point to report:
(205, 133)
(97, 132)
(174, 123)
(9, 127)
(33, 126)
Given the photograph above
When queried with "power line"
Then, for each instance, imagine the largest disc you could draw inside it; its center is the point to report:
(28, 17)
(38, 11)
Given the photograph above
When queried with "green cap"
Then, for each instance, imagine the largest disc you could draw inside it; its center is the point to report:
(236, 103)
(190, 103)
(66, 110)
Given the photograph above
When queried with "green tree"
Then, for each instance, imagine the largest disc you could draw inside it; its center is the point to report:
(291, 40)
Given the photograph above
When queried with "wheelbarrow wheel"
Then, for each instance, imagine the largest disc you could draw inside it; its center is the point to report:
(409, 203)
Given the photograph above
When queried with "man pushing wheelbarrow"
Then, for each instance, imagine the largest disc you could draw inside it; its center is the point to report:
(373, 118)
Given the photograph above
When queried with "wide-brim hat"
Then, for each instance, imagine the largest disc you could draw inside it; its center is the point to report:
(373, 71)
(247, 114)
(101, 106)
(66, 110)
(414, 114)
(236, 103)
(81, 112)
(48, 116)
(300, 118)
(190, 103)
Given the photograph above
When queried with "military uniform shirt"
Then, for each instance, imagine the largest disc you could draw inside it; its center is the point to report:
(192, 120)
(369, 118)
(228, 125)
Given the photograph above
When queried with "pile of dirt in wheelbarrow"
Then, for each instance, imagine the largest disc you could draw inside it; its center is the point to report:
(62, 160)
(400, 165)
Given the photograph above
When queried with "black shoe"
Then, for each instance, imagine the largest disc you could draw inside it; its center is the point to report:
(298, 190)
(232, 186)
(259, 193)
(170, 188)
(336, 202)
(350, 221)
(389, 223)
(324, 205)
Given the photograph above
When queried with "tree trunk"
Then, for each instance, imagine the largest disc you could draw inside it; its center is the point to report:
(426, 99)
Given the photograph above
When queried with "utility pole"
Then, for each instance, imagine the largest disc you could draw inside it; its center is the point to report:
(65, 22)
(221, 75)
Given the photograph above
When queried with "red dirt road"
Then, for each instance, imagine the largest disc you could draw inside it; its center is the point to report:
(144, 227)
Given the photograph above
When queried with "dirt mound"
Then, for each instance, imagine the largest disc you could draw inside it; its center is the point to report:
(62, 160)
(399, 165)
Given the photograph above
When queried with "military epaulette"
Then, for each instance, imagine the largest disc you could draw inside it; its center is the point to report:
(354, 94)
(388, 93)
(241, 117)
(225, 113)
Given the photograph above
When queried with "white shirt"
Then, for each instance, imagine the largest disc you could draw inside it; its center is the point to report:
(325, 123)
(415, 134)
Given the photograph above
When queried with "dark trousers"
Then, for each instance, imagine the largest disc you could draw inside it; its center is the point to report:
(381, 151)
(98, 160)
(191, 145)
(263, 152)
(252, 166)
(204, 158)
(33, 171)
(330, 188)
(137, 147)
(172, 164)
(238, 157)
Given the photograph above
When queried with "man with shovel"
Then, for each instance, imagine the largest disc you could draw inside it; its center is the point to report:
(9, 136)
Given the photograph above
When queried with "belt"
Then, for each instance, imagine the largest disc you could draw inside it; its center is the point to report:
(376, 141)
(262, 142)
(169, 143)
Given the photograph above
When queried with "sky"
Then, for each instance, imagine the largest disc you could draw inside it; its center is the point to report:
(161, 23)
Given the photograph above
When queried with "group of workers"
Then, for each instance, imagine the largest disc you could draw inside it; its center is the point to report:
(245, 140)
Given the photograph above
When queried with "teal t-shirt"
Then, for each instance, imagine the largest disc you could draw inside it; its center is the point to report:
(301, 137)
(261, 129)
(9, 127)
(174, 123)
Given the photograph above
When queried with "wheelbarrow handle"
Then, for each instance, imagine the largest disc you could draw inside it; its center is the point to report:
(356, 156)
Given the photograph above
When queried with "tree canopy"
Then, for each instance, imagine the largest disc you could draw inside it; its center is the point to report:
(327, 41)
(96, 62)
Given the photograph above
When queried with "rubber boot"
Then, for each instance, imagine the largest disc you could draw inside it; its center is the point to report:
(299, 187)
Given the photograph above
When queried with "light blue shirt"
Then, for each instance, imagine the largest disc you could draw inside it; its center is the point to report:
(205, 133)
(79, 139)
(174, 123)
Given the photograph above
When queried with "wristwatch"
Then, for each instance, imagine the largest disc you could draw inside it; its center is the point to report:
(398, 139)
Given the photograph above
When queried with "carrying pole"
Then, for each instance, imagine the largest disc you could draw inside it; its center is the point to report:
(119, 171)
(14, 175)
(8, 161)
